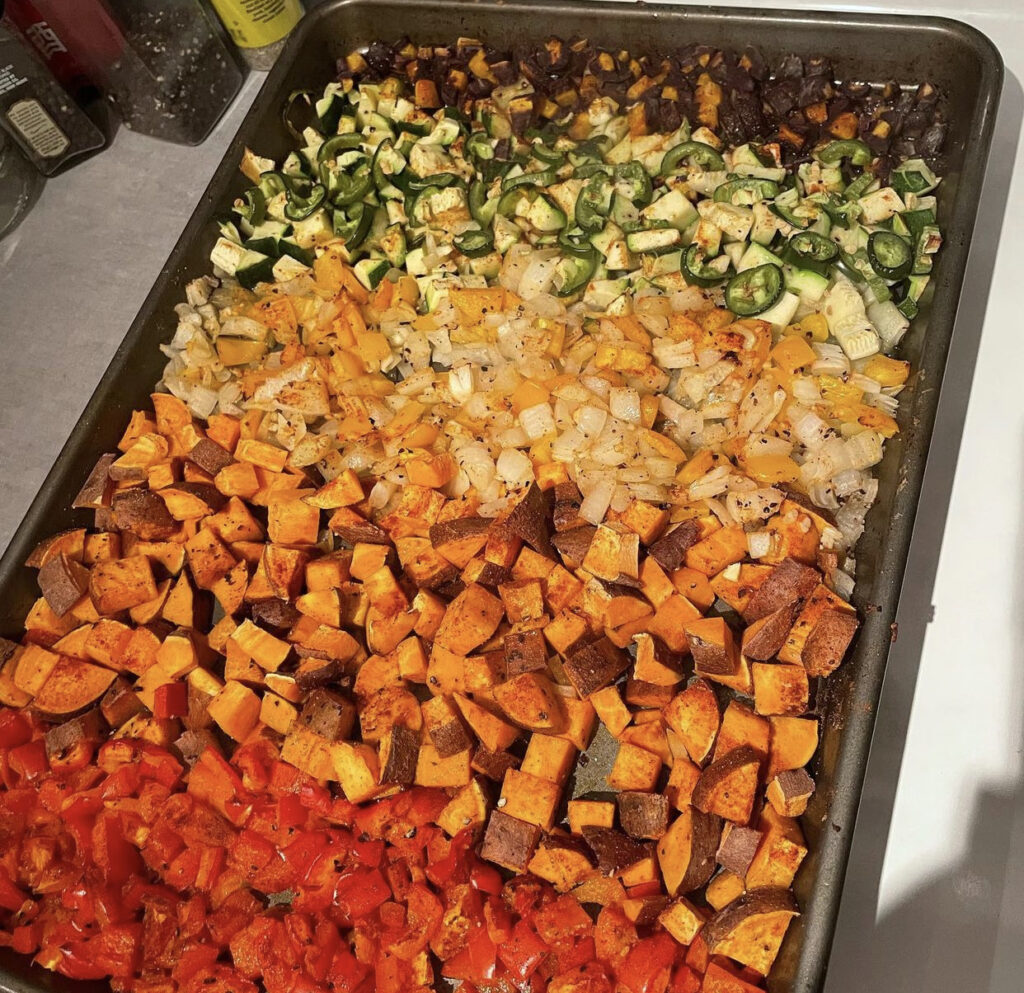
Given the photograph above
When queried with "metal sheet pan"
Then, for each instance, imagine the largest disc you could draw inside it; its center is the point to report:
(871, 47)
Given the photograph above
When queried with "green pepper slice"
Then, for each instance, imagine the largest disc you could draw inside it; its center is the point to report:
(574, 272)
(441, 180)
(352, 187)
(253, 207)
(354, 226)
(692, 152)
(545, 177)
(698, 271)
(748, 188)
(475, 242)
(890, 255)
(856, 151)
(753, 291)
(478, 147)
(482, 207)
(299, 208)
(810, 250)
(594, 203)
(575, 241)
(632, 182)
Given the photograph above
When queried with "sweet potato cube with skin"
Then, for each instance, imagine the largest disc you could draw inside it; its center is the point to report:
(384, 593)
(564, 631)
(330, 572)
(655, 582)
(530, 700)
(581, 721)
(694, 586)
(780, 853)
(681, 781)
(422, 565)
(446, 671)
(634, 769)
(509, 842)
(645, 520)
(63, 582)
(787, 584)
(461, 539)
(530, 798)
(532, 565)
(718, 550)
(713, 647)
(751, 928)
(671, 621)
(615, 851)
(789, 792)
(284, 685)
(385, 632)
(120, 703)
(737, 584)
(466, 809)
(820, 601)
(397, 756)
(595, 666)
(181, 652)
(239, 667)
(445, 726)
(495, 734)
(723, 889)
(235, 710)
(682, 920)
(764, 639)
(686, 853)
(356, 769)
(612, 712)
(693, 715)
(607, 552)
(412, 660)
(277, 713)
(345, 490)
(561, 860)
(329, 714)
(121, 584)
(626, 609)
(43, 626)
(181, 608)
(471, 618)
(230, 590)
(654, 664)
(549, 758)
(780, 690)
(736, 852)
(525, 651)
(643, 815)
(794, 740)
(592, 813)
(434, 770)
(741, 726)
(284, 569)
(268, 652)
(728, 787)
(562, 589)
(235, 523)
(493, 765)
(101, 547)
(828, 641)
(208, 558)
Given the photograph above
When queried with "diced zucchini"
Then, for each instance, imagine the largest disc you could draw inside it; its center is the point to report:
(253, 268)
(392, 244)
(286, 268)
(808, 285)
(601, 292)
(314, 231)
(370, 272)
(880, 205)
(655, 240)
(781, 314)
(734, 222)
(709, 237)
(756, 255)
(545, 216)
(506, 234)
(766, 224)
(227, 255)
(673, 209)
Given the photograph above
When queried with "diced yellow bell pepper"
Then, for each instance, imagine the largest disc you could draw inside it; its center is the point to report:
(702, 463)
(886, 371)
(816, 326)
(837, 391)
(792, 353)
(528, 394)
(772, 469)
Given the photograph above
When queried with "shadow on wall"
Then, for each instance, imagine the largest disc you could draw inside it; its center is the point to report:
(964, 930)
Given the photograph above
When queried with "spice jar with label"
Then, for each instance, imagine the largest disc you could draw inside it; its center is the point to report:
(37, 113)
(259, 27)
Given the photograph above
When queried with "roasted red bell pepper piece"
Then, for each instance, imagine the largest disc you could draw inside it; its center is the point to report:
(648, 966)
(358, 894)
(15, 728)
(523, 952)
(29, 760)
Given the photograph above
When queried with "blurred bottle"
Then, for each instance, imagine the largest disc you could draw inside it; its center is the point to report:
(259, 27)
(166, 65)
(37, 113)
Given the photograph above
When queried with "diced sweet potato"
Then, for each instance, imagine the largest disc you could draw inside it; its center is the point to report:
(530, 700)
(736, 852)
(549, 758)
(741, 726)
(655, 663)
(235, 710)
(681, 781)
(671, 549)
(427, 568)
(398, 754)
(751, 928)
(614, 850)
(530, 798)
(71, 687)
(693, 715)
(525, 651)
(794, 741)
(614, 714)
(682, 920)
(268, 652)
(277, 713)
(391, 707)
(686, 853)
(780, 853)
(650, 736)
(144, 514)
(595, 813)
(728, 787)
(465, 810)
(528, 520)
(331, 715)
(96, 488)
(433, 770)
(120, 584)
(672, 622)
(565, 631)
(459, 540)
(581, 721)
(715, 653)
(828, 641)
(356, 769)
(495, 733)
(789, 792)
(718, 979)
(634, 769)
(306, 750)
(471, 618)
(595, 666)
(509, 842)
(723, 889)
(789, 583)
(780, 690)
(764, 638)
(63, 582)
(643, 815)
(493, 765)
(562, 860)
